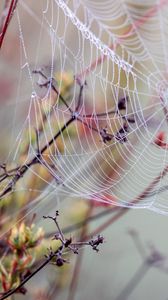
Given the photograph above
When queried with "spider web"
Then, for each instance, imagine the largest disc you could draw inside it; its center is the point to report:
(115, 50)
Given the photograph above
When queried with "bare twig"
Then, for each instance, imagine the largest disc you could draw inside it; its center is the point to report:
(49, 82)
(4, 14)
(4, 26)
(66, 244)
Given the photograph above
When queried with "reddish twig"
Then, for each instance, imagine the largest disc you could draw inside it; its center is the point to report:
(4, 14)
(4, 28)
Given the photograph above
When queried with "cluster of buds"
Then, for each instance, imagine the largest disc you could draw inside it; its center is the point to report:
(18, 260)
(24, 237)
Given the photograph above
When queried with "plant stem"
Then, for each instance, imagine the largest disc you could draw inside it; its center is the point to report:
(7, 21)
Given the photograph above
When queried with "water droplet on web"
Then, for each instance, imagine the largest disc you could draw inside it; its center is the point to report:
(33, 95)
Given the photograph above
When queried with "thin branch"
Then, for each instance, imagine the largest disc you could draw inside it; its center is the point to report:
(74, 227)
(80, 97)
(50, 82)
(4, 28)
(57, 135)
(66, 244)
(4, 14)
(120, 106)
(97, 115)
